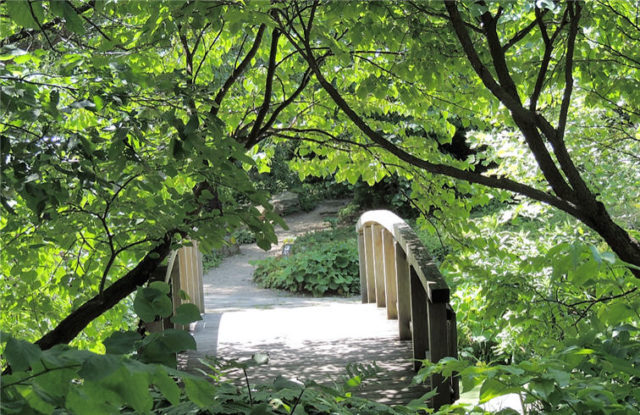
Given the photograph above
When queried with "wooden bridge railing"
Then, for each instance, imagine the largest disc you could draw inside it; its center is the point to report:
(397, 272)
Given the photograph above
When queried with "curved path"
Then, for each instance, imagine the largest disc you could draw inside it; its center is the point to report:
(305, 337)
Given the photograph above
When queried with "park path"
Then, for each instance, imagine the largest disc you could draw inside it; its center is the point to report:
(306, 338)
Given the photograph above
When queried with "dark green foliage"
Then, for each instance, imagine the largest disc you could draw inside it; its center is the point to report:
(320, 263)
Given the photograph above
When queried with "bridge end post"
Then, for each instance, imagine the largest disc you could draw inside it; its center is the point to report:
(362, 261)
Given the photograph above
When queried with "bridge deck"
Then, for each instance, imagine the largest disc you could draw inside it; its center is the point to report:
(306, 338)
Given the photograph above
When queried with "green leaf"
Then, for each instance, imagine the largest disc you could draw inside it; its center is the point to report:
(492, 388)
(20, 12)
(98, 367)
(186, 313)
(177, 340)
(199, 391)
(161, 286)
(151, 302)
(122, 342)
(261, 409)
(167, 386)
(73, 21)
(283, 383)
(20, 354)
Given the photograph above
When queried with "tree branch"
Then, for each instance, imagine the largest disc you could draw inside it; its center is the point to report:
(268, 89)
(469, 176)
(238, 71)
(26, 33)
(75, 322)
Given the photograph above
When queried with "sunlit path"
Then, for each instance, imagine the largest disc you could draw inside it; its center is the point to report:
(306, 338)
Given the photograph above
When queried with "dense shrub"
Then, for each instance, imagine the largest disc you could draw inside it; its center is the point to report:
(320, 263)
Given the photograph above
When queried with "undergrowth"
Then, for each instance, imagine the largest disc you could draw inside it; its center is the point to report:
(320, 263)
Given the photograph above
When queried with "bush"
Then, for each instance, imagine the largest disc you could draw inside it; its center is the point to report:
(243, 236)
(211, 260)
(320, 263)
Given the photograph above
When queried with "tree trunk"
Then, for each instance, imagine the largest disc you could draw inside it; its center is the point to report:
(73, 324)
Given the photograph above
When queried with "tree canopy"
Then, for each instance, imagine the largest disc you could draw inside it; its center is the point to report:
(129, 128)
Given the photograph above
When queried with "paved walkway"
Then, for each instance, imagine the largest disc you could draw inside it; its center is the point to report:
(305, 337)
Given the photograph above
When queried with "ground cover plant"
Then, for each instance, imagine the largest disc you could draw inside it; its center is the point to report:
(319, 263)
(130, 128)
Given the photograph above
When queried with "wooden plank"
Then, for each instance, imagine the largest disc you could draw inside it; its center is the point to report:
(368, 247)
(419, 321)
(362, 261)
(404, 293)
(389, 265)
(438, 348)
(378, 265)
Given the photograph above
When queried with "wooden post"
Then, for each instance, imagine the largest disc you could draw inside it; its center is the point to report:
(452, 349)
(419, 321)
(200, 280)
(362, 261)
(389, 260)
(176, 287)
(404, 293)
(378, 265)
(438, 348)
(368, 249)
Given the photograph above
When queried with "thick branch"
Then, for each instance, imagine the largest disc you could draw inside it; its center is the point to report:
(268, 89)
(73, 324)
(568, 70)
(469, 176)
(305, 80)
(526, 120)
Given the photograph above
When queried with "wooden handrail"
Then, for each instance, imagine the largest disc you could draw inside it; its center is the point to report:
(397, 272)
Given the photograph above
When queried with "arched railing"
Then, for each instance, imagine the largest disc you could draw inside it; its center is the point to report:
(397, 272)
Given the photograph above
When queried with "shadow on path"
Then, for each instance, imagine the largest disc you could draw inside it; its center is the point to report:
(306, 338)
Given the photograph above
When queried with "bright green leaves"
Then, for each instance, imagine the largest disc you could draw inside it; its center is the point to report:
(151, 302)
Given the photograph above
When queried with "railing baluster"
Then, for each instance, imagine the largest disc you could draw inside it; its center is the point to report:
(404, 293)
(419, 322)
(437, 313)
(389, 260)
(368, 247)
(362, 261)
(378, 266)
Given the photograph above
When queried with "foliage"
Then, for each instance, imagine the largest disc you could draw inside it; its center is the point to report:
(243, 236)
(129, 128)
(129, 375)
(320, 263)
(594, 373)
(211, 260)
